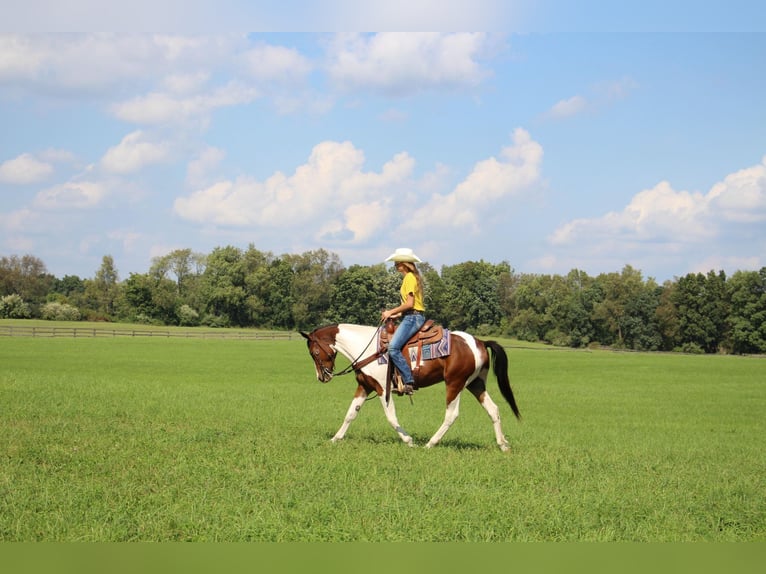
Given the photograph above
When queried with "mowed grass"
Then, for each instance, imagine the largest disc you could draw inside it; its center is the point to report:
(147, 439)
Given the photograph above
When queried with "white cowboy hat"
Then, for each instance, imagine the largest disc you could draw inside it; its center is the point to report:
(404, 254)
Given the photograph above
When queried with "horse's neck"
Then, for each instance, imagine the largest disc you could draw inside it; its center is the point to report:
(356, 341)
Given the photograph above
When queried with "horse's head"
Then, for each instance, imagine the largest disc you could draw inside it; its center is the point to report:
(321, 344)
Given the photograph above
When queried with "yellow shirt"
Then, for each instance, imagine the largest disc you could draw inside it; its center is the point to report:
(410, 285)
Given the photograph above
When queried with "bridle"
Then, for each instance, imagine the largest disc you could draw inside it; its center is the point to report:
(330, 353)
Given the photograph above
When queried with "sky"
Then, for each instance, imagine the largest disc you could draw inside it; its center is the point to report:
(561, 135)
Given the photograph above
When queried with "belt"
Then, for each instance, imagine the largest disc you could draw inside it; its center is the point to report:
(412, 312)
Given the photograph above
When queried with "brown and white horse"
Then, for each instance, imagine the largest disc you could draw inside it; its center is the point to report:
(467, 366)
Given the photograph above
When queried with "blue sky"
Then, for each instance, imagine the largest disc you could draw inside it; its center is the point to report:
(553, 139)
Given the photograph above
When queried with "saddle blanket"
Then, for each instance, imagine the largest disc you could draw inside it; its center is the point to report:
(429, 351)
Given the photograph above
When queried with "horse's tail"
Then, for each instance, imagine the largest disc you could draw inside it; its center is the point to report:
(500, 368)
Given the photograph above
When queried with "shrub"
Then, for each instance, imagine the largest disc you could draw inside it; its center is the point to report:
(187, 317)
(13, 307)
(54, 311)
(216, 321)
(692, 348)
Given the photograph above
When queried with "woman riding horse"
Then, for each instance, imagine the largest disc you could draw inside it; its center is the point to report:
(410, 309)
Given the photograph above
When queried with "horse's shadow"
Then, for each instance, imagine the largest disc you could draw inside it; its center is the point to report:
(419, 441)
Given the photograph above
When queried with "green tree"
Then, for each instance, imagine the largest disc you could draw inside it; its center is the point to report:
(264, 308)
(576, 312)
(666, 315)
(702, 311)
(530, 320)
(150, 298)
(102, 292)
(182, 265)
(359, 294)
(747, 314)
(314, 274)
(223, 287)
(27, 277)
(472, 294)
(616, 317)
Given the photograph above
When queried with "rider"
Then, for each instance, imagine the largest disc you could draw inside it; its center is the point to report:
(411, 310)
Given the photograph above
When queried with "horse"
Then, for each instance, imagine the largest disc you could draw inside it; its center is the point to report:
(466, 366)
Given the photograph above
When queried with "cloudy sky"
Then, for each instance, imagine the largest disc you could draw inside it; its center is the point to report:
(544, 141)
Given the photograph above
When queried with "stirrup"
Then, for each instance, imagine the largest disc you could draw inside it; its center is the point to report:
(399, 383)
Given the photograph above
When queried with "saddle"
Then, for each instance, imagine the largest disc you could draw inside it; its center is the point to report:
(427, 334)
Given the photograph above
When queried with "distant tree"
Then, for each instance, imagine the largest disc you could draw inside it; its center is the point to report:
(69, 285)
(616, 318)
(314, 273)
(358, 295)
(702, 311)
(182, 265)
(102, 292)
(150, 298)
(223, 287)
(747, 315)
(27, 277)
(666, 315)
(530, 319)
(471, 294)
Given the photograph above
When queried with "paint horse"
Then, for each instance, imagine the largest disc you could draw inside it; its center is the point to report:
(466, 366)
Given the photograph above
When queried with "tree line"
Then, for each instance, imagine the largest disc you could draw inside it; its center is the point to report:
(230, 286)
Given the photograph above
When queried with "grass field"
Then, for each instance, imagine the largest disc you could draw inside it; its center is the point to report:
(165, 439)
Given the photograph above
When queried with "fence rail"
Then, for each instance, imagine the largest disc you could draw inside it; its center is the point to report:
(91, 332)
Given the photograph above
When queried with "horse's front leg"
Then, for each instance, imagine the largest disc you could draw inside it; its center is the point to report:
(390, 410)
(353, 410)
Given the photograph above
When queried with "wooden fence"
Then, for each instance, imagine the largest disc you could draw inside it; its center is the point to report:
(91, 332)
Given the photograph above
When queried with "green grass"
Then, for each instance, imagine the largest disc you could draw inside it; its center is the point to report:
(158, 439)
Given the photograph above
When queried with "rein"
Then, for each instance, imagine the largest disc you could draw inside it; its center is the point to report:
(356, 364)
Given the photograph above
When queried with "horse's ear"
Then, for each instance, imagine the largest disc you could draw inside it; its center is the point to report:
(304, 334)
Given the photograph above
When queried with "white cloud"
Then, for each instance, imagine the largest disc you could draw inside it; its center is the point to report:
(406, 63)
(199, 168)
(186, 83)
(569, 107)
(328, 195)
(699, 230)
(492, 180)
(161, 108)
(741, 196)
(601, 95)
(660, 213)
(24, 169)
(134, 152)
(663, 214)
(276, 64)
(18, 221)
(73, 194)
(128, 239)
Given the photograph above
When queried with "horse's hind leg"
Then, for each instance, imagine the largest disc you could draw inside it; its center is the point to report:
(478, 390)
(453, 410)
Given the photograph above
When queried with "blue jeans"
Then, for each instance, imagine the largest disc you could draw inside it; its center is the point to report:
(409, 325)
